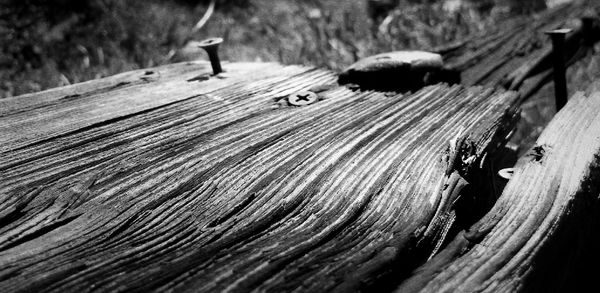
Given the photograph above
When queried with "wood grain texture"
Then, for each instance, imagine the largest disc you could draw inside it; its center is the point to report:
(167, 184)
(516, 55)
(542, 233)
(28, 119)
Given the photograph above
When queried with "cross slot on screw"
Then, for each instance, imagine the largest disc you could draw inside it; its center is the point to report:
(302, 98)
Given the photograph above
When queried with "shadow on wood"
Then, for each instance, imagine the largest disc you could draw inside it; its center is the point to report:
(137, 183)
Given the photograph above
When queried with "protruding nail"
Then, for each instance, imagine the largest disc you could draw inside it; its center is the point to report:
(211, 46)
(587, 27)
(558, 57)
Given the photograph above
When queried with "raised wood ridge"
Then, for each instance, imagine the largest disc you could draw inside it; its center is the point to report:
(162, 183)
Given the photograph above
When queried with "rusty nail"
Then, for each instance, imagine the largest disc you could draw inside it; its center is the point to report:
(302, 98)
(211, 46)
(506, 173)
(558, 56)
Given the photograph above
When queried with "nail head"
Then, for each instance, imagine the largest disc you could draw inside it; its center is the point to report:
(212, 42)
(506, 173)
(562, 31)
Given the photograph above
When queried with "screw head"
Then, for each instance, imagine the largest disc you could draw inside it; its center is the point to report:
(302, 98)
(209, 43)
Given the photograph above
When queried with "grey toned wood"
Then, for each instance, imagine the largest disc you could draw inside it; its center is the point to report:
(516, 55)
(188, 182)
(541, 235)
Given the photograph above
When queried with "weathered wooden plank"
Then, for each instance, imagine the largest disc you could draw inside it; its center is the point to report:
(518, 50)
(542, 231)
(30, 118)
(223, 185)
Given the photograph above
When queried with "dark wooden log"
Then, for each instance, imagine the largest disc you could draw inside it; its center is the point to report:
(542, 233)
(172, 179)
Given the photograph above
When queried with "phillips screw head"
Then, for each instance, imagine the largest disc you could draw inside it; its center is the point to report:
(302, 98)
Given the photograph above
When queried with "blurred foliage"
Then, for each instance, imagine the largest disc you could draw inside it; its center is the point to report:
(48, 43)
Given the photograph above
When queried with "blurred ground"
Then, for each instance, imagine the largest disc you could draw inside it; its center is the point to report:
(50, 43)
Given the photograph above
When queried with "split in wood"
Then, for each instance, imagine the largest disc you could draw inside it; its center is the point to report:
(205, 187)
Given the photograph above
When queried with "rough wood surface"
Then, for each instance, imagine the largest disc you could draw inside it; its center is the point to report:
(162, 180)
(542, 233)
(517, 55)
(172, 179)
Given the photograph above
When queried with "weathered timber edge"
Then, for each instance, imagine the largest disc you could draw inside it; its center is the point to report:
(186, 182)
(542, 233)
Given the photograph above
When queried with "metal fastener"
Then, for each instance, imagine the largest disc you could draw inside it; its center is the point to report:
(506, 173)
(302, 98)
(587, 23)
(211, 46)
(558, 59)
